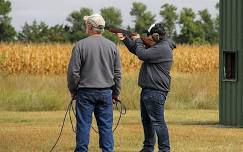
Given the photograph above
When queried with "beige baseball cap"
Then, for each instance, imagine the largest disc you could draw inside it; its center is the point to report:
(96, 20)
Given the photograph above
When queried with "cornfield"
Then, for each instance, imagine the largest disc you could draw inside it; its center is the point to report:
(45, 59)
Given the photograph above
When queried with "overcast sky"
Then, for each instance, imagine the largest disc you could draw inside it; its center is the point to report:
(54, 12)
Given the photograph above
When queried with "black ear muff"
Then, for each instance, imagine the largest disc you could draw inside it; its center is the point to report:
(156, 37)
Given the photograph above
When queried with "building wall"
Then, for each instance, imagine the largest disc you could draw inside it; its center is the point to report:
(231, 40)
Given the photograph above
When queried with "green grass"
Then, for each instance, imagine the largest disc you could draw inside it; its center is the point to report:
(44, 93)
(32, 93)
(190, 131)
(194, 91)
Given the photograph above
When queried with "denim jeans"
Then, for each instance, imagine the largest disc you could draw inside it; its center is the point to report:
(98, 101)
(152, 113)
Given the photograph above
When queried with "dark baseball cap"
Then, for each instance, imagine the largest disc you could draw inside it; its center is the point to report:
(156, 28)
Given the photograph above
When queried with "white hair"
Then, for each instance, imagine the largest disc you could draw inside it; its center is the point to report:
(97, 30)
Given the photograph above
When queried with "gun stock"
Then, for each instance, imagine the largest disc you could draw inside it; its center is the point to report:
(148, 42)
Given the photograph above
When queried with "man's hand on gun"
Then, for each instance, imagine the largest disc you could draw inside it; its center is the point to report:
(121, 36)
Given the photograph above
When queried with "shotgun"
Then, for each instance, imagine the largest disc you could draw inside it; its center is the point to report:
(148, 42)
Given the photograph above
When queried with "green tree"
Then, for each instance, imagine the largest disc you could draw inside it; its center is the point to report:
(40, 32)
(168, 13)
(112, 18)
(58, 33)
(217, 6)
(216, 22)
(6, 29)
(207, 25)
(143, 18)
(77, 28)
(191, 31)
(34, 32)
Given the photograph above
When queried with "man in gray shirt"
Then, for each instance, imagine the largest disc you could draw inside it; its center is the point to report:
(94, 75)
(154, 79)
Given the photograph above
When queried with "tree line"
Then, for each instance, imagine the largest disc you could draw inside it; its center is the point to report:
(186, 26)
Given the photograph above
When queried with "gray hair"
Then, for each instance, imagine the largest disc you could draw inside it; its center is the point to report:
(98, 30)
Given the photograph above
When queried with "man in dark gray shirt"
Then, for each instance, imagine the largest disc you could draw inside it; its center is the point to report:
(94, 74)
(154, 79)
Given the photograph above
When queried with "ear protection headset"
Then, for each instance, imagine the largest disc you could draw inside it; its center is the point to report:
(156, 37)
(157, 31)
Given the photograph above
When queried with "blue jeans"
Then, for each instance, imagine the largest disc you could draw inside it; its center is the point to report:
(152, 113)
(98, 101)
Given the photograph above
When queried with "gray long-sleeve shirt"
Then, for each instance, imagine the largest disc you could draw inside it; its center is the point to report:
(155, 70)
(94, 63)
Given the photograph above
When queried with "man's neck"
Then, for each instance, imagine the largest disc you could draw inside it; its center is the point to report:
(94, 34)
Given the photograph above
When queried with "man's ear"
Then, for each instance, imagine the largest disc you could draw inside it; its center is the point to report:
(90, 27)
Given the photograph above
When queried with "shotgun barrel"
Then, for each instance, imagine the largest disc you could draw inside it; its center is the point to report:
(148, 42)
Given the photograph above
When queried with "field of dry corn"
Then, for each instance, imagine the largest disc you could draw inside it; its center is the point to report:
(45, 59)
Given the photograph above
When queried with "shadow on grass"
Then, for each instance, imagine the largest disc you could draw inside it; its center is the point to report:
(196, 123)
(210, 124)
(193, 123)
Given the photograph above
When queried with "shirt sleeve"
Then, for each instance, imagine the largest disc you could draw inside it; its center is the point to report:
(130, 44)
(117, 75)
(151, 54)
(73, 73)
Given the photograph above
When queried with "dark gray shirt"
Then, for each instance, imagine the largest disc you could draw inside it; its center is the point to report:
(94, 63)
(155, 70)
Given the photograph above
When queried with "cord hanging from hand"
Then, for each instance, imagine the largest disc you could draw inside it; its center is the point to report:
(122, 110)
